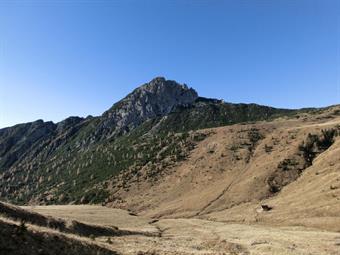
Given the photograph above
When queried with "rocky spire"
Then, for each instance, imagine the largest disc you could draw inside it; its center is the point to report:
(155, 98)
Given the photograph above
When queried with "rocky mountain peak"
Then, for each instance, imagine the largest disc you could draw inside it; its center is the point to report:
(160, 89)
(155, 98)
(161, 82)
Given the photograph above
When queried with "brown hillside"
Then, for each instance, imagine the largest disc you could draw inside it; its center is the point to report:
(238, 168)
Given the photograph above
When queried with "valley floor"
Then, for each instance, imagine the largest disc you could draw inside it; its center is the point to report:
(197, 236)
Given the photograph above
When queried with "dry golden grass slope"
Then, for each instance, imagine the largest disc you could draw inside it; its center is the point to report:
(197, 236)
(68, 230)
(226, 177)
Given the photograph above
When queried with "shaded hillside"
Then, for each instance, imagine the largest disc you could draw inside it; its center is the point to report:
(23, 232)
(141, 135)
(71, 227)
(17, 240)
(206, 113)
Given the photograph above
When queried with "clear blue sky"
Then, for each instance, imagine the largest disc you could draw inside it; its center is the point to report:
(63, 58)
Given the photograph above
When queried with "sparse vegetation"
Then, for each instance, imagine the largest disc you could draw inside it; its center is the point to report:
(109, 241)
(22, 228)
(315, 144)
(291, 168)
(268, 148)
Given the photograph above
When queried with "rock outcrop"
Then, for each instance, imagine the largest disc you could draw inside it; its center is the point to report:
(154, 99)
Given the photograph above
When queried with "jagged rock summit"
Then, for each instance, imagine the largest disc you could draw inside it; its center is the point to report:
(153, 99)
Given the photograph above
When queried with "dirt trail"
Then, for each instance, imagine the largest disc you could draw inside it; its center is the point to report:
(224, 191)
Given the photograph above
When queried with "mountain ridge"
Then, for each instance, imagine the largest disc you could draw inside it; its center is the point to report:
(155, 81)
(70, 161)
